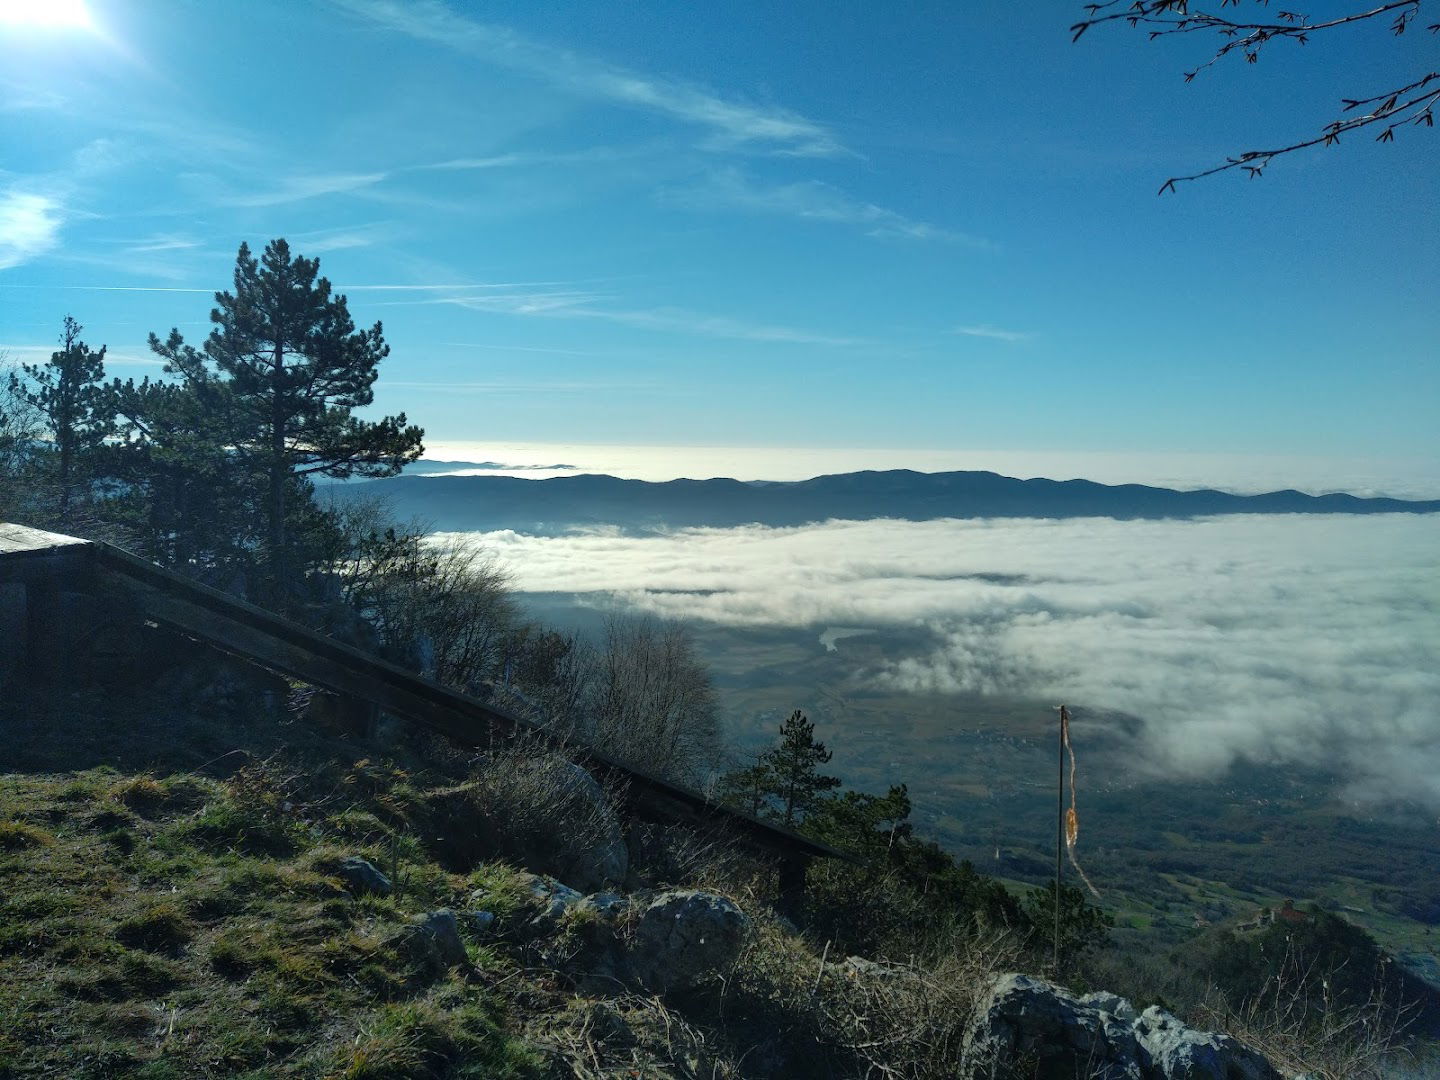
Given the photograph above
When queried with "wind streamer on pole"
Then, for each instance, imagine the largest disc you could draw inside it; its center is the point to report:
(1072, 817)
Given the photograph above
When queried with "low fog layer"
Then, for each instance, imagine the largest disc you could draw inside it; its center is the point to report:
(1281, 638)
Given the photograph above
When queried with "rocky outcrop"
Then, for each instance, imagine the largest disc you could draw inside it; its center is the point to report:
(1178, 1052)
(1028, 1027)
(439, 932)
(664, 942)
(683, 936)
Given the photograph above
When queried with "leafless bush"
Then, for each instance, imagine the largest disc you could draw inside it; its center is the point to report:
(909, 1020)
(634, 1035)
(902, 1020)
(526, 801)
(686, 856)
(1319, 1035)
(653, 704)
(445, 607)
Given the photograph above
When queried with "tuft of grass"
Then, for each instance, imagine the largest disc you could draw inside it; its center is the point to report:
(423, 1040)
(129, 975)
(143, 794)
(19, 836)
(160, 928)
(224, 826)
(498, 888)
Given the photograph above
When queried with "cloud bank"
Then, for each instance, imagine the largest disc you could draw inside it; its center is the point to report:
(1311, 640)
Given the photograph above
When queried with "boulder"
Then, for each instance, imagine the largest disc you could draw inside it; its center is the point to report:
(683, 936)
(362, 876)
(547, 902)
(440, 933)
(1110, 1003)
(604, 859)
(1028, 1027)
(607, 906)
(1178, 1052)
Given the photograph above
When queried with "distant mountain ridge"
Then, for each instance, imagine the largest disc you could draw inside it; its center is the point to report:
(455, 503)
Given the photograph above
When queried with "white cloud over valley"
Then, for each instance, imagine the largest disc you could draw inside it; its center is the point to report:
(1306, 639)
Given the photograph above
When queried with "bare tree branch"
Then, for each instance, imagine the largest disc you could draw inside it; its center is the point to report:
(1411, 103)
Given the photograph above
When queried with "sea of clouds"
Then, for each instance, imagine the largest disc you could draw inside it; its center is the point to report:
(1285, 638)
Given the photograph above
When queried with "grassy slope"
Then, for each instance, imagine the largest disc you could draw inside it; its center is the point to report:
(185, 927)
(169, 907)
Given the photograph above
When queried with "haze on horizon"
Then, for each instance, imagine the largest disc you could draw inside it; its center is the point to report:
(1240, 473)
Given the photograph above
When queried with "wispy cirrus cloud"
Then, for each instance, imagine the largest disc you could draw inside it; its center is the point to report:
(344, 238)
(301, 187)
(450, 287)
(162, 242)
(518, 387)
(29, 226)
(812, 200)
(586, 305)
(112, 288)
(13, 355)
(522, 159)
(992, 333)
(731, 124)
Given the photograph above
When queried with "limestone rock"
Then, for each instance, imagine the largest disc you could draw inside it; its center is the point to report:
(440, 932)
(1113, 1004)
(1182, 1053)
(362, 876)
(548, 901)
(681, 937)
(1028, 1027)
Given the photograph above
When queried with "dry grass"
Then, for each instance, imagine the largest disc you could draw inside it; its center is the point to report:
(524, 801)
(1317, 1035)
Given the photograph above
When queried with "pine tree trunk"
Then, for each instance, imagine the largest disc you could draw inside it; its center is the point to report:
(279, 570)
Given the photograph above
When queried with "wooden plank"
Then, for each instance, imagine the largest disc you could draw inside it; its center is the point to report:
(290, 648)
(18, 540)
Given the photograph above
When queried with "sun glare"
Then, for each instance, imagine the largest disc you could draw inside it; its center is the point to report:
(61, 14)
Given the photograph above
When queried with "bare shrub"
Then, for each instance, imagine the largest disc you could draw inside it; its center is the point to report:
(894, 1019)
(653, 704)
(686, 856)
(21, 428)
(1303, 1026)
(525, 801)
(446, 608)
(909, 1020)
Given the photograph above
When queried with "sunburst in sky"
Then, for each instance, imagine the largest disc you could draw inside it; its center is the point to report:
(54, 14)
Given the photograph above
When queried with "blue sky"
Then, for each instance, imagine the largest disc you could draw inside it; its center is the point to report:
(931, 225)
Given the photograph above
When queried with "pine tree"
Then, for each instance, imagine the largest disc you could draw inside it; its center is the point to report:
(187, 499)
(286, 367)
(794, 765)
(750, 788)
(68, 391)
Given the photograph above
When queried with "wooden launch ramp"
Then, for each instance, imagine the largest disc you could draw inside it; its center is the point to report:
(46, 577)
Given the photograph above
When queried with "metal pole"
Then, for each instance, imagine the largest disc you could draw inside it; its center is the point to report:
(1059, 833)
